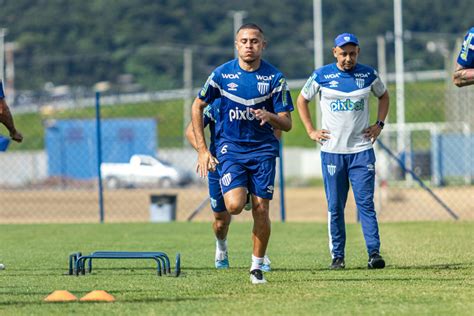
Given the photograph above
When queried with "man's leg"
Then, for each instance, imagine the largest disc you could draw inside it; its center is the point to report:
(262, 179)
(221, 227)
(261, 227)
(336, 185)
(235, 200)
(362, 176)
(221, 221)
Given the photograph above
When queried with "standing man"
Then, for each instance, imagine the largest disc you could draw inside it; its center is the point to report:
(346, 140)
(254, 100)
(7, 120)
(464, 71)
(222, 218)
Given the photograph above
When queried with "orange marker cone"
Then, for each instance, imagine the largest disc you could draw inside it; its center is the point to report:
(60, 296)
(97, 296)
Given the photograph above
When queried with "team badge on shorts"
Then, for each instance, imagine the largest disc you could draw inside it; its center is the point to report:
(213, 203)
(331, 169)
(226, 179)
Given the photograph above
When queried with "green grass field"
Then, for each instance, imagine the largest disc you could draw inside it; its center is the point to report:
(430, 271)
(425, 102)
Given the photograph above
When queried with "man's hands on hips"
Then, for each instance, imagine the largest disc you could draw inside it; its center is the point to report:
(372, 132)
(320, 135)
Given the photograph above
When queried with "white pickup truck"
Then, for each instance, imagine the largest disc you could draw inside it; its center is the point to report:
(143, 171)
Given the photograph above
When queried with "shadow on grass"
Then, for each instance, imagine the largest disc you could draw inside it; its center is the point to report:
(140, 300)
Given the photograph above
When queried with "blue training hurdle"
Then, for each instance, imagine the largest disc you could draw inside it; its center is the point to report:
(77, 261)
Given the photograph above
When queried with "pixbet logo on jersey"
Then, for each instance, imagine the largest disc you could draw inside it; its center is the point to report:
(246, 115)
(347, 105)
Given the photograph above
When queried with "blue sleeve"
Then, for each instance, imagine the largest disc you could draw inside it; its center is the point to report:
(211, 89)
(466, 55)
(281, 96)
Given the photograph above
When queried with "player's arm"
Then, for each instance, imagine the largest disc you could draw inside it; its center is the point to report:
(303, 109)
(463, 76)
(277, 133)
(373, 131)
(7, 120)
(204, 156)
(190, 136)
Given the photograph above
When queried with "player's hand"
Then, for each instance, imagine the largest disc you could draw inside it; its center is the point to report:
(211, 166)
(372, 132)
(261, 114)
(204, 163)
(16, 136)
(320, 135)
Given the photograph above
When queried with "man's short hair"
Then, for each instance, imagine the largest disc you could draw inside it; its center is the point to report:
(251, 26)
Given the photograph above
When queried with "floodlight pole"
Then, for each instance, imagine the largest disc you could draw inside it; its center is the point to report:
(399, 75)
(188, 88)
(238, 17)
(318, 49)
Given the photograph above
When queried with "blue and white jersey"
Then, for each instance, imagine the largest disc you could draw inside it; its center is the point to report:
(240, 91)
(466, 55)
(344, 101)
(209, 120)
(2, 94)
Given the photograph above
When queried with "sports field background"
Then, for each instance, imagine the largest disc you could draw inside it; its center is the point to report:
(429, 271)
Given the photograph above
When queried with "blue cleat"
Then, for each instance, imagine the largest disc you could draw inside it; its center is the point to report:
(222, 260)
(265, 267)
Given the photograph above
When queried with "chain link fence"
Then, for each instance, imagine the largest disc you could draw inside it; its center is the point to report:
(53, 175)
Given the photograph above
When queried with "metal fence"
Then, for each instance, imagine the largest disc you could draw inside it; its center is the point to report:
(53, 175)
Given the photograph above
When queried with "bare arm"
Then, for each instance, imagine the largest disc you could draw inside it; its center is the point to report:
(305, 116)
(190, 136)
(7, 120)
(373, 131)
(205, 161)
(463, 76)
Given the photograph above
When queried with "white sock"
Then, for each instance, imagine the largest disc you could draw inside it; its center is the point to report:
(256, 263)
(221, 244)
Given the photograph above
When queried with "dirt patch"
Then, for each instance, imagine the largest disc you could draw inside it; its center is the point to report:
(302, 204)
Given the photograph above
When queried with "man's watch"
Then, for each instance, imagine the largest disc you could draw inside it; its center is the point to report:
(380, 124)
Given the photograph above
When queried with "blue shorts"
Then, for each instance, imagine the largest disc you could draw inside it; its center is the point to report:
(215, 192)
(253, 173)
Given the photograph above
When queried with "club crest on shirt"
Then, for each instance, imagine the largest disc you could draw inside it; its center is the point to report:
(331, 169)
(263, 87)
(360, 82)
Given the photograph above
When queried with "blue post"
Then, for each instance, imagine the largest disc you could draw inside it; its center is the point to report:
(282, 184)
(99, 156)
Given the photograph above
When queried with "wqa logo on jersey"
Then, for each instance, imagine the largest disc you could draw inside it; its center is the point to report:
(347, 105)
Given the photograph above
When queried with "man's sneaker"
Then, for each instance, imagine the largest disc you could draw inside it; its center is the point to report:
(337, 264)
(222, 260)
(248, 203)
(376, 261)
(266, 264)
(256, 277)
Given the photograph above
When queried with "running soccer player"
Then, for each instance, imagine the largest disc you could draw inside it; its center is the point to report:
(346, 142)
(254, 100)
(464, 71)
(222, 218)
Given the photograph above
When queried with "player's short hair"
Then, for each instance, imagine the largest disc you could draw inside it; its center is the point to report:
(251, 26)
